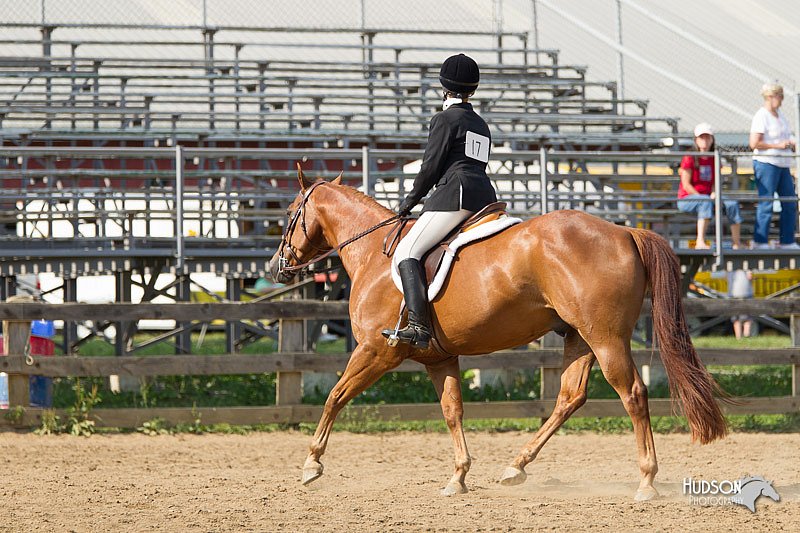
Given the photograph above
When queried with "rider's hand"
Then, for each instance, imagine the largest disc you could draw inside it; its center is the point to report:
(405, 208)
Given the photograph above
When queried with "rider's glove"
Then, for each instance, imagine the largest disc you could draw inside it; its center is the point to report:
(405, 208)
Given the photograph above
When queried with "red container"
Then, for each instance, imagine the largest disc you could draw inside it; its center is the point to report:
(41, 388)
(39, 346)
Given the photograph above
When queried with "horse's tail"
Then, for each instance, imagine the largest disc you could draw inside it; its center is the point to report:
(688, 378)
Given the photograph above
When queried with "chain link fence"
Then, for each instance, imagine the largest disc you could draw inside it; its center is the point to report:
(699, 61)
(475, 15)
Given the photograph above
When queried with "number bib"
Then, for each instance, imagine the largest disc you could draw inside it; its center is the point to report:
(477, 147)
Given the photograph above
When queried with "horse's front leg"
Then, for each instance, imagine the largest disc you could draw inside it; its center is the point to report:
(365, 367)
(446, 378)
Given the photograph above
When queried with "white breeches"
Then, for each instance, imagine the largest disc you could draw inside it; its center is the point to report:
(427, 232)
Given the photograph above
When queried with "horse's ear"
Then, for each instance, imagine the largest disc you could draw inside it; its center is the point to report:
(338, 179)
(305, 183)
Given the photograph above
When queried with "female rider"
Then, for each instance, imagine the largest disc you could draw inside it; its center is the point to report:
(454, 163)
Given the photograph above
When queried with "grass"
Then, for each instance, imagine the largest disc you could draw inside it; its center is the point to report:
(409, 387)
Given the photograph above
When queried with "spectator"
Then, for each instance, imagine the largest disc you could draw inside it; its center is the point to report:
(740, 285)
(696, 189)
(772, 143)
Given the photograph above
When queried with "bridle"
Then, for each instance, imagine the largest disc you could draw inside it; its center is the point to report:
(299, 215)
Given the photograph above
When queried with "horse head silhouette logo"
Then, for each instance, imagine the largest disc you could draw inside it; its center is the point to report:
(752, 488)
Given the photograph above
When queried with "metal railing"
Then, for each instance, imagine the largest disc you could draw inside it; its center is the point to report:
(114, 196)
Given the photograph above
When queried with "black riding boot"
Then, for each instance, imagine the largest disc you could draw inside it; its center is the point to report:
(418, 331)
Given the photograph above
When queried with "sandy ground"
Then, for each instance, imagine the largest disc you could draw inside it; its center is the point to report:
(383, 482)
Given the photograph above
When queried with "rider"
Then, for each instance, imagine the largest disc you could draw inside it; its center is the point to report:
(455, 161)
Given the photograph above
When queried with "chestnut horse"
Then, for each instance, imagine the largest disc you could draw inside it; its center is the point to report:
(565, 271)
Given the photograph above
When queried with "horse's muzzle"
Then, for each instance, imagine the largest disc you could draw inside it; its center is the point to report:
(279, 275)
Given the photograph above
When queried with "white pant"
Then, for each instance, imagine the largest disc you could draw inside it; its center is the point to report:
(427, 232)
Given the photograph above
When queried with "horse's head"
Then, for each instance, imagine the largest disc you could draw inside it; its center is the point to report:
(303, 238)
(769, 491)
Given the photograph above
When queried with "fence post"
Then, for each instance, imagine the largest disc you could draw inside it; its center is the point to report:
(16, 334)
(794, 325)
(551, 377)
(289, 385)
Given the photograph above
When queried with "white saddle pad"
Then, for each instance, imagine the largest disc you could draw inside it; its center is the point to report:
(480, 232)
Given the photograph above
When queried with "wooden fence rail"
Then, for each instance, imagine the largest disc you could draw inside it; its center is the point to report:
(291, 362)
(313, 309)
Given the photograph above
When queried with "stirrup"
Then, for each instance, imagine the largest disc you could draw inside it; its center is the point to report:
(393, 335)
(416, 336)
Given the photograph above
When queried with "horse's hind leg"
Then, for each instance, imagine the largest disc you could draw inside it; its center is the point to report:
(578, 361)
(365, 367)
(620, 372)
(446, 378)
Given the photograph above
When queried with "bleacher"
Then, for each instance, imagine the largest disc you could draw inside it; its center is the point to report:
(87, 157)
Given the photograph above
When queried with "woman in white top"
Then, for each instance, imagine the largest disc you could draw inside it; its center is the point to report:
(772, 141)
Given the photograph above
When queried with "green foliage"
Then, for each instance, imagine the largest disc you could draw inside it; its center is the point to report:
(363, 419)
(14, 414)
(153, 427)
(195, 426)
(51, 423)
(79, 422)
(754, 380)
(79, 415)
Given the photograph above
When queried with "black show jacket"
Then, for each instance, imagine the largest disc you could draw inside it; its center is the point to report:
(460, 179)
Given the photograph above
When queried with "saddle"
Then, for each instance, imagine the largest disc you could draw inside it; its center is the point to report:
(437, 262)
(433, 258)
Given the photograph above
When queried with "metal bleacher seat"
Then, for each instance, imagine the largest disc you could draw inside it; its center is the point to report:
(139, 107)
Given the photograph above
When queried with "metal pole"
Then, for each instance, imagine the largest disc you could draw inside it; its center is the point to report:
(365, 169)
(498, 21)
(208, 37)
(535, 29)
(796, 147)
(543, 178)
(179, 207)
(620, 56)
(718, 207)
(47, 49)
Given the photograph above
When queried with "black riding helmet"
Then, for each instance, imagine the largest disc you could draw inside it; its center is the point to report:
(459, 74)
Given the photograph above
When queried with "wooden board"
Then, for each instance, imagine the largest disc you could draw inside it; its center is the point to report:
(313, 309)
(291, 414)
(233, 364)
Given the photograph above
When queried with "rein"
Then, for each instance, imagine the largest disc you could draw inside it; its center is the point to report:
(290, 229)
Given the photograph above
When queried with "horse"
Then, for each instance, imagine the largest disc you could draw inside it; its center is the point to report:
(565, 271)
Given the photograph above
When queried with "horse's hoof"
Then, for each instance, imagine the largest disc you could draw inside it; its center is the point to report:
(642, 495)
(311, 471)
(513, 476)
(454, 487)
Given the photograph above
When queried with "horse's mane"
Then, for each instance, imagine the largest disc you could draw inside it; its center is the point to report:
(747, 479)
(362, 198)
